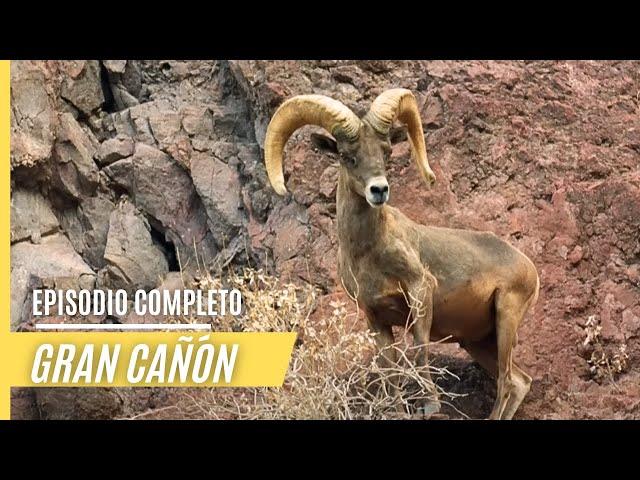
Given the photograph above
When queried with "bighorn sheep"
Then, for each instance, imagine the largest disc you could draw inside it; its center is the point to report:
(469, 286)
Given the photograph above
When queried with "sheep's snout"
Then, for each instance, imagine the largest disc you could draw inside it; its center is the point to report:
(377, 191)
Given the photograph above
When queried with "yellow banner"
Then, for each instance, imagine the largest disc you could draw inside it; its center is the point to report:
(170, 359)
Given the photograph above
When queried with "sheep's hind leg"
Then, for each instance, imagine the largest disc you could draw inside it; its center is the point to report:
(522, 384)
(511, 386)
(485, 352)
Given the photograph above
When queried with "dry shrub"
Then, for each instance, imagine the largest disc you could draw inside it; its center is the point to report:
(604, 361)
(334, 371)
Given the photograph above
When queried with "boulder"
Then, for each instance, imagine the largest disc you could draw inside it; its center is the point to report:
(33, 117)
(115, 66)
(115, 149)
(133, 260)
(54, 257)
(122, 98)
(219, 188)
(165, 192)
(75, 172)
(125, 80)
(94, 215)
(120, 174)
(31, 216)
(63, 403)
(83, 86)
(197, 120)
(166, 128)
(134, 121)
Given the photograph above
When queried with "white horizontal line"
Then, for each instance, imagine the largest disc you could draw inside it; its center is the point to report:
(123, 326)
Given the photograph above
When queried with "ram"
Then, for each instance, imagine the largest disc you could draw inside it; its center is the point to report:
(465, 286)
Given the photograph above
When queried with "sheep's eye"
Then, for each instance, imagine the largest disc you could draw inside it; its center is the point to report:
(349, 160)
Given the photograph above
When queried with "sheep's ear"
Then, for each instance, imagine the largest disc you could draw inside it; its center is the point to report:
(324, 142)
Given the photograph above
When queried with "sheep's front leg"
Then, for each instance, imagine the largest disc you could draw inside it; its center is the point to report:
(387, 356)
(420, 298)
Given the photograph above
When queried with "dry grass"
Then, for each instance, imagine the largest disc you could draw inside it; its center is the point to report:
(334, 371)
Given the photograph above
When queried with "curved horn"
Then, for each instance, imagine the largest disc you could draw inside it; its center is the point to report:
(296, 112)
(401, 104)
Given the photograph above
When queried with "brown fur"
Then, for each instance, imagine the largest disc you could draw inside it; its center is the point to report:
(470, 286)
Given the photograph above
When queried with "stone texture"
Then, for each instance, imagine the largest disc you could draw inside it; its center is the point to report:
(94, 216)
(218, 186)
(54, 257)
(82, 87)
(33, 115)
(115, 149)
(74, 403)
(120, 174)
(162, 189)
(115, 66)
(23, 404)
(75, 172)
(31, 216)
(133, 260)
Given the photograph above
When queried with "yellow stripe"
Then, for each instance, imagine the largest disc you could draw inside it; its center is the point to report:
(5, 300)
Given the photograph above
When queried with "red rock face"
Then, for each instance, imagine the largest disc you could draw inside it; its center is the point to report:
(544, 154)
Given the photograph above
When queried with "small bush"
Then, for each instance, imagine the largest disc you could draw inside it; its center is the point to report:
(334, 371)
(605, 362)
